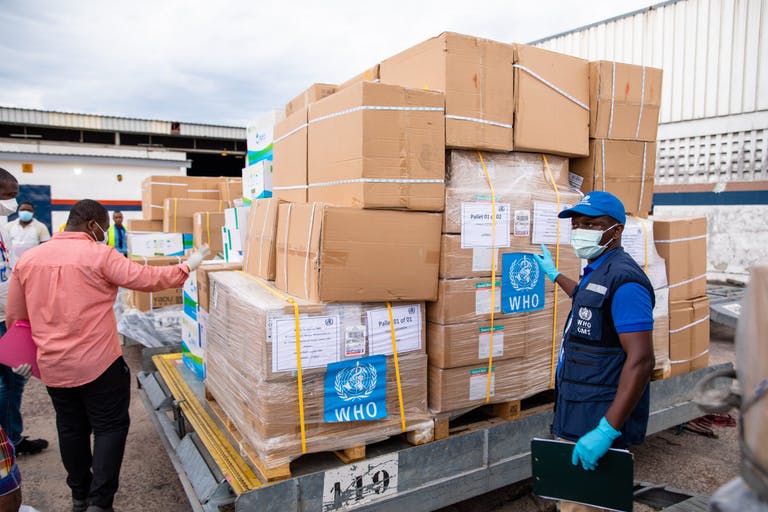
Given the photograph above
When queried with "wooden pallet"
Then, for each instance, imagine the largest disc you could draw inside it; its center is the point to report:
(270, 472)
(470, 419)
(664, 372)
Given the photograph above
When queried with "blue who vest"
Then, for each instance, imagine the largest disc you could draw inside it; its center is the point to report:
(593, 356)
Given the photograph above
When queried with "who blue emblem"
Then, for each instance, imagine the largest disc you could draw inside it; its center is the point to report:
(522, 284)
(356, 390)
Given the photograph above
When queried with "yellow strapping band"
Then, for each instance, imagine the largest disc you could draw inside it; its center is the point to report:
(208, 227)
(289, 299)
(397, 366)
(220, 204)
(175, 207)
(553, 363)
(493, 277)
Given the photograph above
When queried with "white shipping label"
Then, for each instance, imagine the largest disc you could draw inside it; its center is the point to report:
(353, 485)
(575, 181)
(407, 320)
(319, 342)
(485, 342)
(478, 383)
(522, 223)
(477, 225)
(354, 341)
(483, 299)
(482, 259)
(633, 242)
(545, 223)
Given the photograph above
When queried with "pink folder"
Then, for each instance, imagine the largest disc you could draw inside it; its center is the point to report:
(17, 347)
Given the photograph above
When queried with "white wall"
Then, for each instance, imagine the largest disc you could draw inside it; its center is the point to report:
(73, 180)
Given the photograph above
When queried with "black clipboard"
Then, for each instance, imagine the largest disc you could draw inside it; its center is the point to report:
(610, 486)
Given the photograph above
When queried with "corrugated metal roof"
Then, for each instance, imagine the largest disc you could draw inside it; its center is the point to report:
(46, 148)
(119, 124)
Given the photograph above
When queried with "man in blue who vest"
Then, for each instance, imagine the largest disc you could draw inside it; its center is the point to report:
(606, 359)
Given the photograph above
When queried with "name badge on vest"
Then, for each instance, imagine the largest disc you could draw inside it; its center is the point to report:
(356, 390)
(522, 285)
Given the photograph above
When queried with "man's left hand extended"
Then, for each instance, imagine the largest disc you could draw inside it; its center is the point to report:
(593, 445)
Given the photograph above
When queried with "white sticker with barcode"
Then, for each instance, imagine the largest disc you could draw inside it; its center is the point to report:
(484, 342)
(478, 382)
(522, 223)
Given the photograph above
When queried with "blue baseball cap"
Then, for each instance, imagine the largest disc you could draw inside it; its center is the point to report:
(596, 204)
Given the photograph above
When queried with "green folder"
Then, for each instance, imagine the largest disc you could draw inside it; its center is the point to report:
(610, 486)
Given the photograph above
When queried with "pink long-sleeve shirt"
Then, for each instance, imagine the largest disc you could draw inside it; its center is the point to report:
(66, 288)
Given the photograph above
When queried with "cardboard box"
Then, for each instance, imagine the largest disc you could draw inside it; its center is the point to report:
(233, 233)
(551, 102)
(624, 101)
(661, 330)
(314, 93)
(259, 251)
(259, 136)
(451, 346)
(147, 301)
(476, 76)
(156, 189)
(458, 263)
(289, 180)
(204, 282)
(177, 213)
(143, 225)
(371, 74)
(519, 180)
(623, 168)
(682, 242)
(378, 146)
(206, 229)
(257, 180)
(689, 334)
(147, 245)
(230, 189)
(336, 254)
(469, 300)
(251, 336)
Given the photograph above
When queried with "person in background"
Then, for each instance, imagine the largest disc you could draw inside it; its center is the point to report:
(66, 289)
(606, 359)
(10, 477)
(117, 236)
(13, 380)
(25, 232)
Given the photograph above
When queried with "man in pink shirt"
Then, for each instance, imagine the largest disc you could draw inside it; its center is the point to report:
(66, 289)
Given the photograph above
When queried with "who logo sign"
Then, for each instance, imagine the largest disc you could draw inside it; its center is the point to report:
(356, 390)
(522, 285)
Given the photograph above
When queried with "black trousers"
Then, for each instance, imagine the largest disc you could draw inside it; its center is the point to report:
(99, 407)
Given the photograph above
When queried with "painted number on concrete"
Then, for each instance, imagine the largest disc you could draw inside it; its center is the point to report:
(356, 484)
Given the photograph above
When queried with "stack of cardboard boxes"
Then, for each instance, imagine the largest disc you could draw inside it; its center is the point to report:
(637, 240)
(682, 242)
(624, 102)
(525, 323)
(367, 214)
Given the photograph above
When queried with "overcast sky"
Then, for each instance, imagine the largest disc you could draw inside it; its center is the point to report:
(225, 62)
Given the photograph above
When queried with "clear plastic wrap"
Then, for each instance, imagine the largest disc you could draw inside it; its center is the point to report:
(156, 328)
(255, 384)
(518, 179)
(459, 328)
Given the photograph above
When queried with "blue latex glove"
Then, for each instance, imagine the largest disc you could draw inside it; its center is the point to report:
(594, 444)
(547, 264)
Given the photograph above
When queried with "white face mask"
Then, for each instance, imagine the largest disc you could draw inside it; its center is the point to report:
(104, 233)
(586, 242)
(8, 206)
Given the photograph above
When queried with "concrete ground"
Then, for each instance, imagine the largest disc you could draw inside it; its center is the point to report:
(149, 482)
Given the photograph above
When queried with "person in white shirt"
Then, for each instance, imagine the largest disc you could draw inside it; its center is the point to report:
(25, 232)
